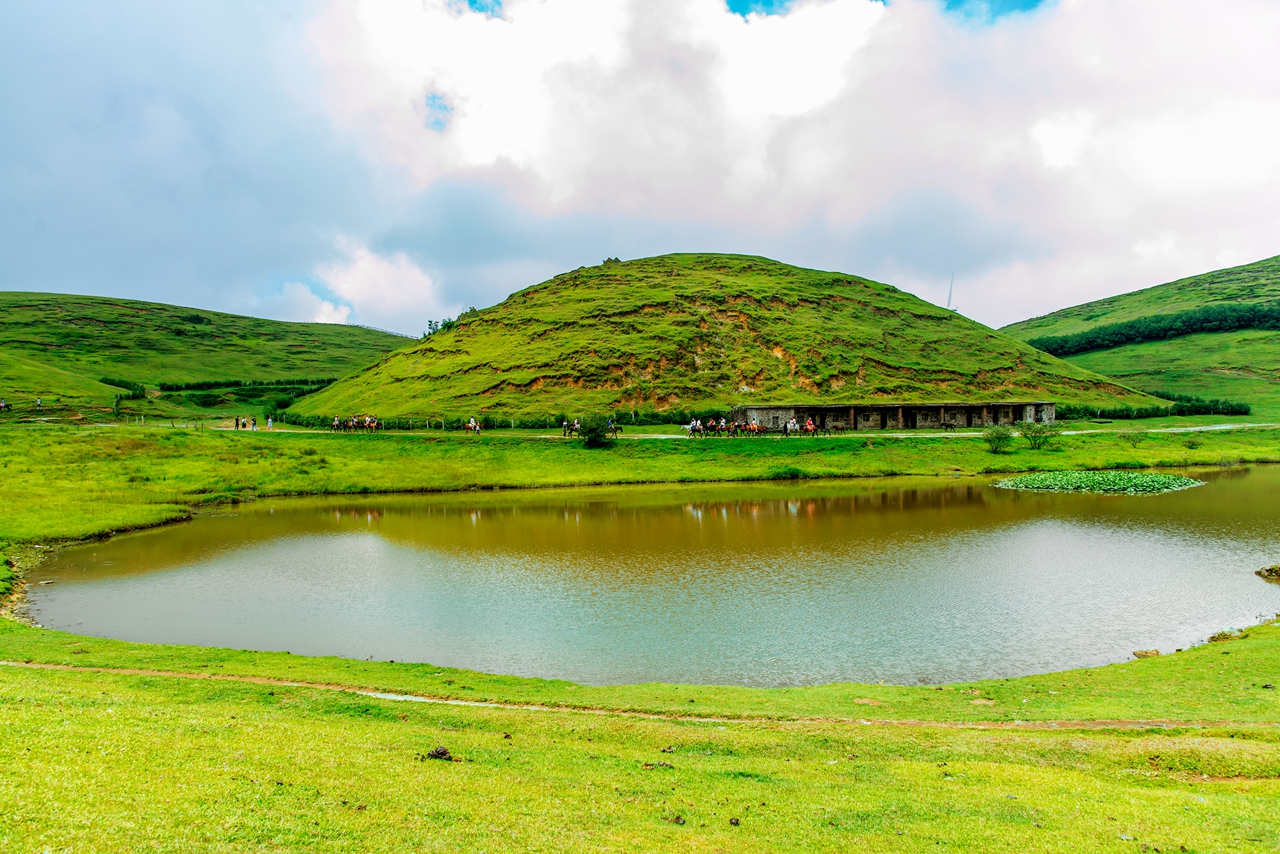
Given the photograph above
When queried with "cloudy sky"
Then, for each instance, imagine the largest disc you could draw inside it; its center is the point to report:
(393, 161)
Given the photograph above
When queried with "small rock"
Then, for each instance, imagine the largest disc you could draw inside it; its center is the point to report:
(506, 735)
(677, 820)
(667, 749)
(1146, 653)
(441, 752)
(1269, 686)
(734, 822)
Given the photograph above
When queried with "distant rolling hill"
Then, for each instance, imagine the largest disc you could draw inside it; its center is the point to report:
(59, 347)
(700, 331)
(1216, 335)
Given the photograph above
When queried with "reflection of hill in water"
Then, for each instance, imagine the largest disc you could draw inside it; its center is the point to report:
(721, 524)
(758, 584)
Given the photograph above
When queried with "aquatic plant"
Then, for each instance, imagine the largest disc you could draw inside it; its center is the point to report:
(1102, 482)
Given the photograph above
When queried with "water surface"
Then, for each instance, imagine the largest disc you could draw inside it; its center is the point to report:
(899, 580)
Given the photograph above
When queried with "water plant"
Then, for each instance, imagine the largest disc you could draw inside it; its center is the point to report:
(1101, 482)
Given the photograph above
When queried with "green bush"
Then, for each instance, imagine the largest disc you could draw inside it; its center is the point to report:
(1134, 436)
(1038, 433)
(594, 431)
(998, 438)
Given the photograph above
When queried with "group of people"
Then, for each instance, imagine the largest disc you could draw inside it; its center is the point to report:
(356, 423)
(724, 427)
(251, 423)
(695, 429)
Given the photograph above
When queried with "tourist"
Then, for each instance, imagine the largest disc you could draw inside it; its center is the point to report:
(269, 420)
(255, 424)
(38, 403)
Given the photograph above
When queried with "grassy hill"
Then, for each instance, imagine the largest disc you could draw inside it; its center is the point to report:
(1239, 363)
(699, 331)
(59, 347)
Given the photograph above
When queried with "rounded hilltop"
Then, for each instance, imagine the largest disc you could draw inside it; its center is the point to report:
(702, 331)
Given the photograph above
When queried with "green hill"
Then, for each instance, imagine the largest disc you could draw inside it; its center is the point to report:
(59, 347)
(1216, 335)
(684, 332)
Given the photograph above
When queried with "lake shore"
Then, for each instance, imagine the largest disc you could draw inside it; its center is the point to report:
(1176, 750)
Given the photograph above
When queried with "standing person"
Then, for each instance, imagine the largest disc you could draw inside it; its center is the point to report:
(269, 420)
(255, 424)
(38, 403)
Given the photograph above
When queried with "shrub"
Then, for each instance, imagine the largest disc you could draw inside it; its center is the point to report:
(594, 429)
(1038, 433)
(998, 437)
(1134, 436)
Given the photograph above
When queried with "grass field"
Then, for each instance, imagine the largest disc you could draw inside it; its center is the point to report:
(1240, 366)
(76, 482)
(1258, 282)
(58, 347)
(123, 746)
(700, 331)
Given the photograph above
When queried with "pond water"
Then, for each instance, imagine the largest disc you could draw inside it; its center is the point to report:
(906, 581)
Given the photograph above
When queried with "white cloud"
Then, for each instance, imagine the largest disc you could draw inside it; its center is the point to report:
(296, 301)
(1133, 141)
(391, 293)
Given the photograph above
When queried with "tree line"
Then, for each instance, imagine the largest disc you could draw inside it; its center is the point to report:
(1160, 327)
(204, 385)
(1180, 404)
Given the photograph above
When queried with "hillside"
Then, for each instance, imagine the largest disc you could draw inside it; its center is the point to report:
(1249, 284)
(58, 347)
(699, 331)
(1238, 359)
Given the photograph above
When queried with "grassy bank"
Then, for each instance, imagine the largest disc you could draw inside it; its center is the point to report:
(1178, 752)
(78, 482)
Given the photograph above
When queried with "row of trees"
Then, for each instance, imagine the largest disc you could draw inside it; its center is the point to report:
(205, 385)
(1180, 405)
(1159, 327)
(526, 422)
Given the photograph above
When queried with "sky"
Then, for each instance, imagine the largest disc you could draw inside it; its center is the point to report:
(395, 161)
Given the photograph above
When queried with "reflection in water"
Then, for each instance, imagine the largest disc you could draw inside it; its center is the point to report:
(761, 584)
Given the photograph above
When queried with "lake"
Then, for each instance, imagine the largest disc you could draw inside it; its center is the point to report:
(903, 580)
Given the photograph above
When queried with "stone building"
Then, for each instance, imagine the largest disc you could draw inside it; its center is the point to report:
(896, 416)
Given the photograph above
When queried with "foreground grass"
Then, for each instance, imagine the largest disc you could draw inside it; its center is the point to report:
(1176, 752)
(118, 762)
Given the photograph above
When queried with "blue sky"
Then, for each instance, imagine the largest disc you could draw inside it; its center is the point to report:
(248, 157)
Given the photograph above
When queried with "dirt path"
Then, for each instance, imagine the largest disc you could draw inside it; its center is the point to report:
(533, 707)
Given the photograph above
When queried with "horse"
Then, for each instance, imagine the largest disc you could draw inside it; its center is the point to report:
(613, 431)
(948, 426)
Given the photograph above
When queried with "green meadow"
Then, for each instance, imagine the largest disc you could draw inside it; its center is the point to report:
(58, 347)
(122, 746)
(1239, 365)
